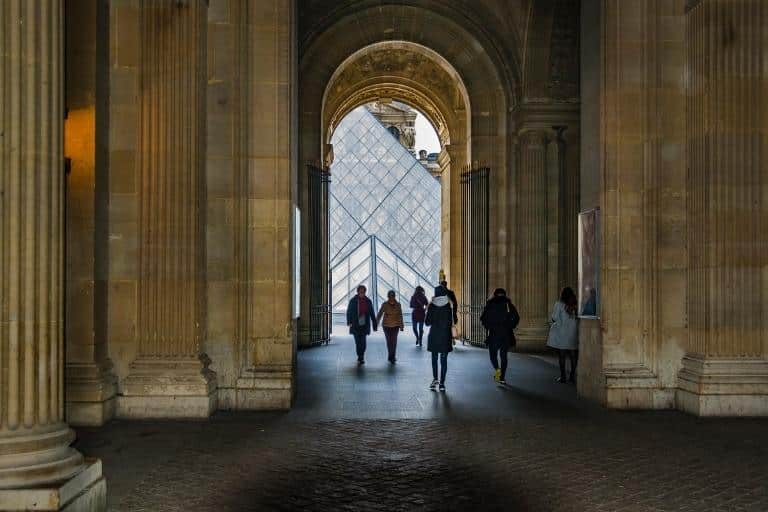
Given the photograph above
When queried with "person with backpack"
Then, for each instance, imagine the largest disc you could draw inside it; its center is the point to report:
(500, 317)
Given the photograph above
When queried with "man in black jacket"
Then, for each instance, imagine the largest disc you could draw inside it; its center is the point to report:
(360, 316)
(500, 318)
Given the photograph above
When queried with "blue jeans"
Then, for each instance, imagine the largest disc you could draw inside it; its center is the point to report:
(418, 330)
(443, 365)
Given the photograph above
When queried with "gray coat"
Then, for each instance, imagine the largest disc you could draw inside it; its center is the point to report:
(564, 331)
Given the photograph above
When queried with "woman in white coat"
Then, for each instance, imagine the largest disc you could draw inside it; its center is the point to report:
(564, 332)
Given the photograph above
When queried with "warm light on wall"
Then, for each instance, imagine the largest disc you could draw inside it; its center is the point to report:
(80, 143)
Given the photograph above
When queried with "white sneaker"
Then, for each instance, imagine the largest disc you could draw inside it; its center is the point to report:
(434, 385)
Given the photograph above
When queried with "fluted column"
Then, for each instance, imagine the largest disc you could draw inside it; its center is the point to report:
(34, 439)
(531, 275)
(170, 376)
(726, 368)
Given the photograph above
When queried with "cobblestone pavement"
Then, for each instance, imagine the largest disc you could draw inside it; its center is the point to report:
(537, 452)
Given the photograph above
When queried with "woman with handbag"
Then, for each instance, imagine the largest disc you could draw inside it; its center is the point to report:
(440, 319)
(500, 318)
(564, 332)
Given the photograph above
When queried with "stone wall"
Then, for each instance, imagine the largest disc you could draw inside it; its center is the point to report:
(249, 175)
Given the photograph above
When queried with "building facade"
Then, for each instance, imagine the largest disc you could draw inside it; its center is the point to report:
(153, 158)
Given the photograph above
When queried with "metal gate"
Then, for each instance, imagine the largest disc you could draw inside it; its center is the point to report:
(318, 254)
(475, 205)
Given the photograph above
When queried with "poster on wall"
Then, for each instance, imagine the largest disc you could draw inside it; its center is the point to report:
(589, 263)
(296, 262)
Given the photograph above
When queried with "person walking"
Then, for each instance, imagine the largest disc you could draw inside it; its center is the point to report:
(500, 318)
(419, 305)
(440, 319)
(564, 332)
(359, 319)
(392, 314)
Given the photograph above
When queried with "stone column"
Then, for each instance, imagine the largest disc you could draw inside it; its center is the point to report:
(266, 325)
(90, 384)
(170, 376)
(567, 139)
(725, 370)
(531, 275)
(38, 468)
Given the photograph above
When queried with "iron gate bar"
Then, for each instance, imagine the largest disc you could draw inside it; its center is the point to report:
(475, 249)
(318, 252)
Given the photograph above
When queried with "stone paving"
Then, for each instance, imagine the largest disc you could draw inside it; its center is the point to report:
(375, 439)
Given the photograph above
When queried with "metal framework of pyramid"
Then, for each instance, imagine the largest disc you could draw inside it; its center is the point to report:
(384, 214)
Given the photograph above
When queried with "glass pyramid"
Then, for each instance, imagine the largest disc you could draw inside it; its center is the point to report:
(384, 214)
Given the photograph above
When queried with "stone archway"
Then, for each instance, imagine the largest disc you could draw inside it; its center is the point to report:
(415, 75)
(442, 74)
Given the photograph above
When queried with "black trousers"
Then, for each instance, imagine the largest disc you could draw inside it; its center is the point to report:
(443, 365)
(498, 351)
(573, 355)
(360, 346)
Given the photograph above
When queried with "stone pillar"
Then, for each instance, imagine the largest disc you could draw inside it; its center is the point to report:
(170, 376)
(567, 139)
(38, 468)
(725, 370)
(531, 274)
(266, 322)
(90, 384)
(640, 178)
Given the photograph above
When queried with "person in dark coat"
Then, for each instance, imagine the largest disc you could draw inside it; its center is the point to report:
(360, 316)
(419, 303)
(440, 319)
(500, 318)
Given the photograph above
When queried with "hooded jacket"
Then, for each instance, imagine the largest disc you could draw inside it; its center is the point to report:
(440, 319)
(500, 317)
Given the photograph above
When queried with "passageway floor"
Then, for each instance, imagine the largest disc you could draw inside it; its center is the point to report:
(375, 438)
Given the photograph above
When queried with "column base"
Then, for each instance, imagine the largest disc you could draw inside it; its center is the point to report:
(723, 386)
(264, 389)
(168, 388)
(531, 339)
(90, 392)
(634, 386)
(85, 491)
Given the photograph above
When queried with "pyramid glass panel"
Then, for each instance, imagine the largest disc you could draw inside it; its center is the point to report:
(385, 209)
